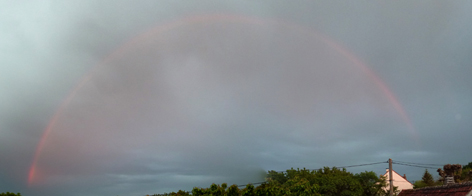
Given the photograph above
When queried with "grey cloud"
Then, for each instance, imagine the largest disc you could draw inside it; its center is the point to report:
(223, 101)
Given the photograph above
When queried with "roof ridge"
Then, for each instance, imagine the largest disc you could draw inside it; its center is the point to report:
(399, 175)
(459, 189)
(455, 185)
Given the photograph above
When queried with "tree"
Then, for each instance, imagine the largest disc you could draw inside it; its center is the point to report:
(233, 190)
(426, 181)
(419, 184)
(336, 182)
(248, 191)
(197, 191)
(371, 184)
(466, 173)
(10, 194)
(279, 177)
(428, 178)
(179, 193)
(301, 187)
(468, 166)
(271, 188)
(302, 182)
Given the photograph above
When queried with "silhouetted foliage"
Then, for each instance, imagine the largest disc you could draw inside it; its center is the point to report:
(427, 178)
(179, 193)
(248, 191)
(326, 181)
(10, 194)
(426, 181)
(466, 173)
(371, 184)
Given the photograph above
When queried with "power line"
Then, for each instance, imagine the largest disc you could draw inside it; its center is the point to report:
(420, 163)
(415, 165)
(411, 164)
(252, 183)
(363, 164)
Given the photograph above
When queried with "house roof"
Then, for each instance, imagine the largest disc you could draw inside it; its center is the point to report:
(399, 175)
(464, 189)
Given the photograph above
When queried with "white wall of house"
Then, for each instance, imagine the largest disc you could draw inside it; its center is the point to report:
(398, 181)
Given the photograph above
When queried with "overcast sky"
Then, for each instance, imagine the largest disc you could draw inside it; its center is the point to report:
(144, 97)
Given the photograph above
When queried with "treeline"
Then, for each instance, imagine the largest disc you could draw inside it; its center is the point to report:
(301, 182)
(10, 194)
(462, 175)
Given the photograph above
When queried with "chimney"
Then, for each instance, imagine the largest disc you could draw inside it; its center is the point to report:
(450, 170)
(404, 176)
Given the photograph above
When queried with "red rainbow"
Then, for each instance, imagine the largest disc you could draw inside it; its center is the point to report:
(127, 46)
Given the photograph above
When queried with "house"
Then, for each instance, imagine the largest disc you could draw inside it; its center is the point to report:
(398, 181)
(464, 189)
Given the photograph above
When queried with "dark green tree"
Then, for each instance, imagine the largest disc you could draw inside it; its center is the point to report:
(466, 173)
(10, 194)
(179, 193)
(336, 182)
(301, 187)
(419, 184)
(326, 181)
(426, 181)
(248, 191)
(197, 191)
(468, 166)
(428, 178)
(371, 184)
(217, 190)
(270, 188)
(279, 177)
(233, 190)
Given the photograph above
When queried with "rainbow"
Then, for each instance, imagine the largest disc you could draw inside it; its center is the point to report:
(203, 19)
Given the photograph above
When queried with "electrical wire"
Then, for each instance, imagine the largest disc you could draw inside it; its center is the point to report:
(363, 164)
(344, 166)
(411, 164)
(414, 165)
(420, 163)
(252, 183)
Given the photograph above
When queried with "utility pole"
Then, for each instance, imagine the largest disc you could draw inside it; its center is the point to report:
(390, 176)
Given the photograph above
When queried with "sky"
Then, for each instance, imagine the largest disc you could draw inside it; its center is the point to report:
(145, 97)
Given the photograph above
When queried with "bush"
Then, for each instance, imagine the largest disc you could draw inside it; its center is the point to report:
(10, 194)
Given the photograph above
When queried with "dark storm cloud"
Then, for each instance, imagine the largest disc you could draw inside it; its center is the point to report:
(224, 102)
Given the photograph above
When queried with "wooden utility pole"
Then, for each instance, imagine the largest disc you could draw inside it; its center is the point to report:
(390, 176)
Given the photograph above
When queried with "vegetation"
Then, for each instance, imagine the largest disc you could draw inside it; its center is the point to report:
(461, 175)
(426, 181)
(10, 194)
(326, 181)
(466, 174)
